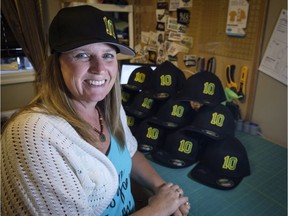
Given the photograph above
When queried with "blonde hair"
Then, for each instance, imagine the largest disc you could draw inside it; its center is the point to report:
(54, 97)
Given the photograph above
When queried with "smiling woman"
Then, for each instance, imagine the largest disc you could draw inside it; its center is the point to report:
(74, 134)
(89, 72)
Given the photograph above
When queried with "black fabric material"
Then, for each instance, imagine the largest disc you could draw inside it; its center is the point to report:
(180, 149)
(203, 87)
(73, 27)
(215, 122)
(223, 165)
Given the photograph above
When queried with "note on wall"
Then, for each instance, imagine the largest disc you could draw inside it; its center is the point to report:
(237, 18)
(274, 62)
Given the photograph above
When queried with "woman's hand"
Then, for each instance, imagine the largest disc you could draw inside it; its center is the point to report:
(169, 200)
(183, 210)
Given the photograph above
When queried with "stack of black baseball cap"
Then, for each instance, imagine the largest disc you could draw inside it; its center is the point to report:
(223, 163)
(166, 112)
(147, 91)
(138, 81)
(136, 99)
(172, 115)
(186, 144)
(178, 136)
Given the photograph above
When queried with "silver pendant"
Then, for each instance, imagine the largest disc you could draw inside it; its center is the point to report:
(102, 137)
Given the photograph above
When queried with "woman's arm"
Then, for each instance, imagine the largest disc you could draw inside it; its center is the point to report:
(168, 198)
(144, 173)
(162, 203)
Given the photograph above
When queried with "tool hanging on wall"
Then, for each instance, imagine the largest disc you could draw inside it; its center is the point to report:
(230, 71)
(242, 83)
(211, 65)
(234, 91)
(200, 64)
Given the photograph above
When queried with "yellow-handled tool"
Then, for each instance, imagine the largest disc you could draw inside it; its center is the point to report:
(242, 83)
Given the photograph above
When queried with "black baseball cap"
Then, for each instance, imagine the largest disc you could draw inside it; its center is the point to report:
(167, 80)
(223, 165)
(149, 136)
(204, 87)
(142, 105)
(73, 27)
(215, 122)
(174, 114)
(132, 123)
(139, 79)
(127, 96)
(180, 149)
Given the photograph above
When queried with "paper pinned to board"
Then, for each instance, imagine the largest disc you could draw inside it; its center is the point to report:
(237, 17)
(274, 61)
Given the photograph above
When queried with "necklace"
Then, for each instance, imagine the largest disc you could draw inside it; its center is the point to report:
(102, 136)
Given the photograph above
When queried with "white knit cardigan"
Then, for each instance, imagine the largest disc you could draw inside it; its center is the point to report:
(48, 169)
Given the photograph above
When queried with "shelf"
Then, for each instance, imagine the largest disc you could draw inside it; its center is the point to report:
(19, 76)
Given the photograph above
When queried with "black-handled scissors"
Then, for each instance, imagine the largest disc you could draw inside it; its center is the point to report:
(200, 64)
(230, 70)
(211, 65)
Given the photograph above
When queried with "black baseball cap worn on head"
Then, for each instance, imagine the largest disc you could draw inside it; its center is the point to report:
(180, 149)
(167, 80)
(149, 136)
(174, 114)
(215, 122)
(139, 79)
(204, 87)
(74, 27)
(223, 165)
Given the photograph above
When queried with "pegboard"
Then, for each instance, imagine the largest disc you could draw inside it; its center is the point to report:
(207, 27)
(212, 37)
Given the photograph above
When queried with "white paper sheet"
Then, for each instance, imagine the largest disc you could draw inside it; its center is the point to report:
(274, 62)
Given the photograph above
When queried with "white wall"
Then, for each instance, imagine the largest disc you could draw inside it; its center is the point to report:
(270, 105)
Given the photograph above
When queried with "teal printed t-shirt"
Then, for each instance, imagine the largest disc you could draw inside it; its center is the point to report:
(123, 202)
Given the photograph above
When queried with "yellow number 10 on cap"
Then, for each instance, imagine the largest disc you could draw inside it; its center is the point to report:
(217, 119)
(230, 163)
(109, 27)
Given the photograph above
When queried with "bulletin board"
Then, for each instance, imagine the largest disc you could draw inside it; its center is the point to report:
(208, 19)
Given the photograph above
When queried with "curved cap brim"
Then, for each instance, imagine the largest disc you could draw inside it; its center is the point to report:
(204, 175)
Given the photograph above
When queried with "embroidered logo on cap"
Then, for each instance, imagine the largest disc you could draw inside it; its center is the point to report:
(230, 163)
(177, 111)
(209, 88)
(130, 121)
(125, 96)
(140, 77)
(217, 119)
(147, 103)
(109, 27)
(166, 80)
(185, 146)
(152, 133)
